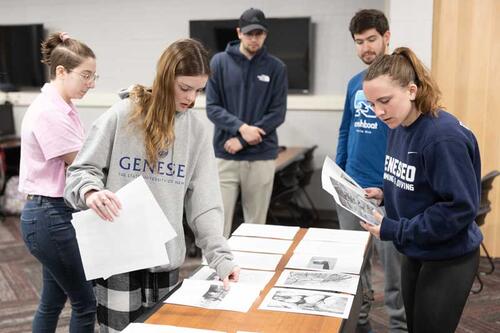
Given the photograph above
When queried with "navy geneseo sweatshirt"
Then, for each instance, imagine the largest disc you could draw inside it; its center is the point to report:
(246, 91)
(432, 188)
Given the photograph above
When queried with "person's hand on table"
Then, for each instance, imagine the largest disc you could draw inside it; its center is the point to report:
(234, 276)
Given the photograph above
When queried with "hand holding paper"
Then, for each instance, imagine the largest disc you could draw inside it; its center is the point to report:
(346, 192)
(135, 240)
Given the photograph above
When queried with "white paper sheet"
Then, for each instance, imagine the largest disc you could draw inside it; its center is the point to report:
(308, 301)
(134, 240)
(327, 281)
(346, 192)
(262, 245)
(150, 328)
(337, 235)
(247, 276)
(266, 231)
(250, 260)
(314, 262)
(211, 295)
(331, 248)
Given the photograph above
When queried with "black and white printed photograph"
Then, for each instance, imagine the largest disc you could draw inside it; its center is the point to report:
(212, 295)
(323, 263)
(308, 301)
(353, 202)
(305, 261)
(347, 192)
(328, 281)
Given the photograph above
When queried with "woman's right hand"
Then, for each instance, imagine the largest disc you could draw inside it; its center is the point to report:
(105, 203)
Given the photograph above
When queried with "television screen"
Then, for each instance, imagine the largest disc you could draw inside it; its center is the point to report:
(20, 57)
(289, 39)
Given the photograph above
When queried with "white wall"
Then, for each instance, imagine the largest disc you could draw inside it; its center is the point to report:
(128, 37)
(411, 26)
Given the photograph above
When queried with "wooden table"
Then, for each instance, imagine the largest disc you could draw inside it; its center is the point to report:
(288, 156)
(255, 320)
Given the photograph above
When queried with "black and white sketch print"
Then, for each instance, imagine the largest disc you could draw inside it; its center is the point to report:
(308, 301)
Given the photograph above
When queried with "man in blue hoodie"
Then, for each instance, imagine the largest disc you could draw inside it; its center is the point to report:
(246, 100)
(360, 153)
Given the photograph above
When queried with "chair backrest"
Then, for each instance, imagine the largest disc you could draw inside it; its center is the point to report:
(287, 178)
(307, 167)
(485, 204)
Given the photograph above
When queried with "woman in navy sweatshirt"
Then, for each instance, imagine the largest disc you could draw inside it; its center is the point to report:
(431, 192)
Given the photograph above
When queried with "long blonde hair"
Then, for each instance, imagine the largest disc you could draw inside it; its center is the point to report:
(154, 109)
(404, 67)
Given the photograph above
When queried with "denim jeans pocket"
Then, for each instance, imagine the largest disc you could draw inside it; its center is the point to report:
(28, 229)
(60, 226)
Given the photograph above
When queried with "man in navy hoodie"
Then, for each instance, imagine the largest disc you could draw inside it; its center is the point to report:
(246, 100)
(360, 153)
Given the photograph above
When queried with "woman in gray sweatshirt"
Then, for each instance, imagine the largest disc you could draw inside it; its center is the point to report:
(154, 134)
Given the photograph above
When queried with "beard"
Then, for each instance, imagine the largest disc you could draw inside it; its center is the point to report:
(369, 57)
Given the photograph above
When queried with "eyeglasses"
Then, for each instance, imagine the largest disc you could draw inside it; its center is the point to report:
(87, 77)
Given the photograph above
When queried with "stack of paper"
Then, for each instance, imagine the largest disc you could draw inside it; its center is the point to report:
(134, 240)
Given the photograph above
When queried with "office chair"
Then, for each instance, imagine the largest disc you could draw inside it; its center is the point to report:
(286, 185)
(307, 169)
(484, 209)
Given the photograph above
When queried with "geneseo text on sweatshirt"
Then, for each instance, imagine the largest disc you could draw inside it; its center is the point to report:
(184, 176)
(431, 188)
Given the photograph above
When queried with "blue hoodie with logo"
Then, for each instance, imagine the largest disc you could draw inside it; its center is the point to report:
(362, 138)
(432, 189)
(247, 91)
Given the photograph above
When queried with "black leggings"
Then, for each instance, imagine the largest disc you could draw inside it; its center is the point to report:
(435, 292)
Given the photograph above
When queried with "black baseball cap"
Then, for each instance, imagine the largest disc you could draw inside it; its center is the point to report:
(252, 19)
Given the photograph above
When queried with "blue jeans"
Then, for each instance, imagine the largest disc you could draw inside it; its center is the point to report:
(50, 237)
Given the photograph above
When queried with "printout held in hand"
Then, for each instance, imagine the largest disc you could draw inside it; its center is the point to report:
(134, 240)
(347, 193)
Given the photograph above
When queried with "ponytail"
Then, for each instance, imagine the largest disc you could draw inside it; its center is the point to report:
(404, 67)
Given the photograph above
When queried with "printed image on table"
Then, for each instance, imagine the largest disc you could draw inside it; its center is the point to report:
(308, 301)
(327, 281)
(326, 263)
(214, 295)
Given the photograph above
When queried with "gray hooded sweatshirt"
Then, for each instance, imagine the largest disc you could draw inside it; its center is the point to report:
(185, 176)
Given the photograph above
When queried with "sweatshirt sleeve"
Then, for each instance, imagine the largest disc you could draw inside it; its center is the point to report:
(214, 99)
(274, 116)
(90, 168)
(341, 157)
(449, 169)
(204, 212)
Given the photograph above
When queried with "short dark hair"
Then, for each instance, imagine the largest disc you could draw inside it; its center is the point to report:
(368, 19)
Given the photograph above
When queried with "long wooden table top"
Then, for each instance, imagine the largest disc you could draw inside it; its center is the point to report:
(289, 155)
(255, 320)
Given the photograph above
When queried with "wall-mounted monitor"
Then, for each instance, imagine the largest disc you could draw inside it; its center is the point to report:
(289, 39)
(20, 57)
